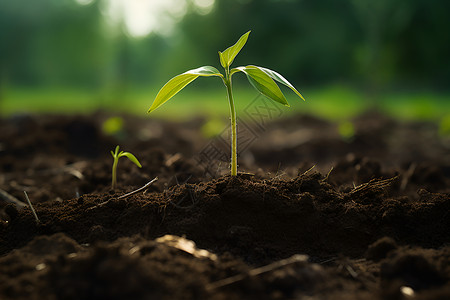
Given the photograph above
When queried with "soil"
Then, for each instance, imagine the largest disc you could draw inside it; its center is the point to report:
(313, 215)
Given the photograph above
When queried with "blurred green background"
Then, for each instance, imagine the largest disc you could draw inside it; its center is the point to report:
(344, 56)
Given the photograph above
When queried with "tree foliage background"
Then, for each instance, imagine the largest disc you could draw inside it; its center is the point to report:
(374, 44)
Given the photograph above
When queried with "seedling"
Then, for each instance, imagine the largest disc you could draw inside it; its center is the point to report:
(116, 155)
(261, 78)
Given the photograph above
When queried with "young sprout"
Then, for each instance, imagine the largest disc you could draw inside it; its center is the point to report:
(262, 79)
(116, 155)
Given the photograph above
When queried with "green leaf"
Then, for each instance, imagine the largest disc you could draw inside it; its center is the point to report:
(205, 71)
(227, 56)
(131, 157)
(263, 83)
(278, 77)
(177, 83)
(222, 60)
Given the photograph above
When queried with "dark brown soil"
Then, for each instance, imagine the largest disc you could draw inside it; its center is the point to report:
(316, 216)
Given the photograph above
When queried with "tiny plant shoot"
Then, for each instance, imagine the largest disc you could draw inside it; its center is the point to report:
(116, 155)
(261, 78)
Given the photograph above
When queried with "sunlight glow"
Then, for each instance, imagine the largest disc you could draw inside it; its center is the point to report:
(204, 7)
(141, 17)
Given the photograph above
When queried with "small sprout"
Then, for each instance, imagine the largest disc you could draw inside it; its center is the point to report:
(113, 126)
(264, 80)
(116, 155)
(444, 126)
(212, 128)
(346, 130)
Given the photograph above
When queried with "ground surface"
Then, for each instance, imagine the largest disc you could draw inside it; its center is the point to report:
(319, 217)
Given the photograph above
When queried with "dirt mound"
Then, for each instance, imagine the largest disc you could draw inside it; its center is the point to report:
(369, 220)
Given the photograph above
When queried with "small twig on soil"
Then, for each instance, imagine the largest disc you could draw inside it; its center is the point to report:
(373, 183)
(351, 271)
(309, 170)
(173, 159)
(328, 175)
(139, 189)
(128, 194)
(11, 199)
(258, 271)
(32, 208)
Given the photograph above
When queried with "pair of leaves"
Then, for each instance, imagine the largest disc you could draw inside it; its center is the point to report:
(116, 155)
(262, 79)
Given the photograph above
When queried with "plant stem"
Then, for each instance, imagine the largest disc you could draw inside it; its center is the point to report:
(114, 168)
(227, 82)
